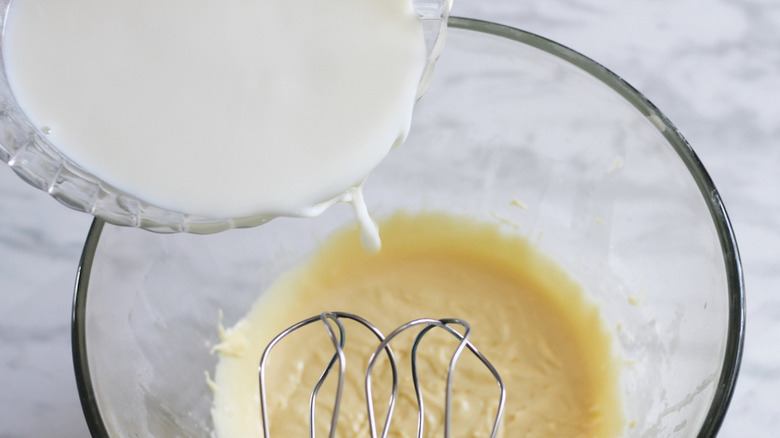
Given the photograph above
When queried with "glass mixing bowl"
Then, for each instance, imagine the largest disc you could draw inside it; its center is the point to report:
(515, 129)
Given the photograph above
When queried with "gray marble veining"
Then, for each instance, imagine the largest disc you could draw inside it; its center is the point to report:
(712, 66)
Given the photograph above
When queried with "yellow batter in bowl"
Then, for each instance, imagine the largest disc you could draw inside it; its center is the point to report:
(537, 327)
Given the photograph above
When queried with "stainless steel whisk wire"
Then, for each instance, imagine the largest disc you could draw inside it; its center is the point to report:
(329, 318)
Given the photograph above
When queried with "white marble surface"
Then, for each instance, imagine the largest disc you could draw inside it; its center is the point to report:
(712, 66)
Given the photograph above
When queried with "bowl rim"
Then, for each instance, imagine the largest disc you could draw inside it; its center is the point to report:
(735, 334)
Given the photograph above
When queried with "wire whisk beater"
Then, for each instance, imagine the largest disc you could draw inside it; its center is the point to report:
(332, 323)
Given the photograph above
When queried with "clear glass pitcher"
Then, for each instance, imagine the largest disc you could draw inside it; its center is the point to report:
(26, 149)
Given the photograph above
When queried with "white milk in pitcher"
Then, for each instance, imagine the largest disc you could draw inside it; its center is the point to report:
(219, 109)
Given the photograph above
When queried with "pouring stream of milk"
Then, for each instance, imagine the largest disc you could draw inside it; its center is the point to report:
(272, 108)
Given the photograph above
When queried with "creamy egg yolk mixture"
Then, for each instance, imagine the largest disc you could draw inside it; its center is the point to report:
(535, 325)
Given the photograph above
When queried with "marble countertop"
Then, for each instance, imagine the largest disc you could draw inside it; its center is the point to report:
(712, 66)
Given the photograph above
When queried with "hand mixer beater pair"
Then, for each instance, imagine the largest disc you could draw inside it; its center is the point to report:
(337, 337)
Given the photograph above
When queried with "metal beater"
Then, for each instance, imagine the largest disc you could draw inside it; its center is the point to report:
(329, 319)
